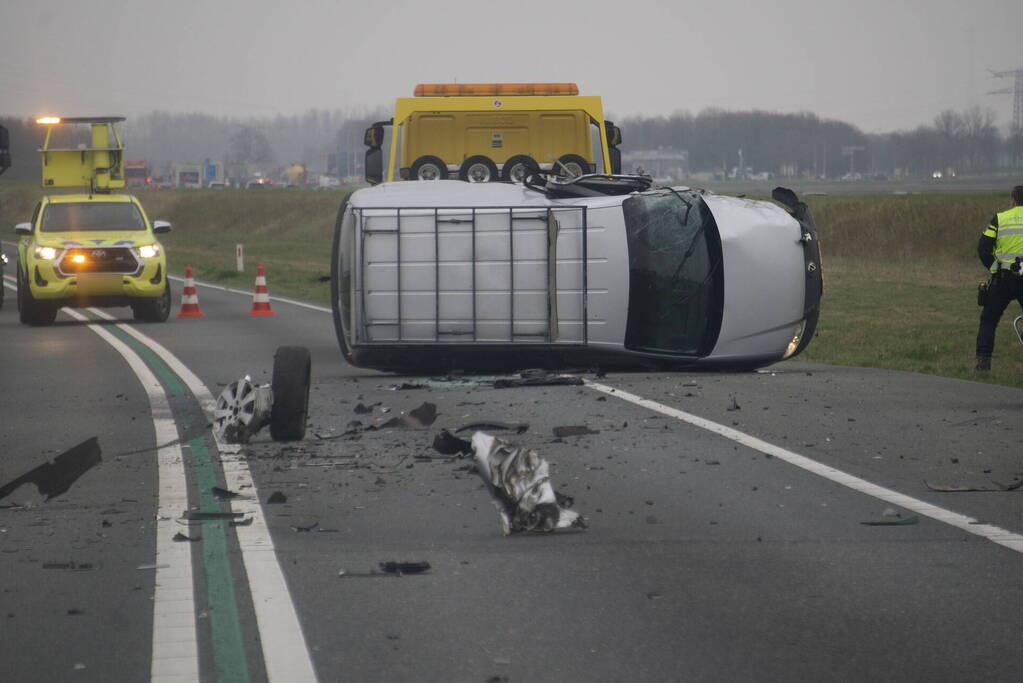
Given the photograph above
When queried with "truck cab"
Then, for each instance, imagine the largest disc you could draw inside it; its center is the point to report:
(493, 132)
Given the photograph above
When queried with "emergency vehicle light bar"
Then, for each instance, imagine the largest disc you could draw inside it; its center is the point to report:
(491, 89)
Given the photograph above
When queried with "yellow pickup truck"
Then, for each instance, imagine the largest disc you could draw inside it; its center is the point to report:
(482, 132)
(94, 248)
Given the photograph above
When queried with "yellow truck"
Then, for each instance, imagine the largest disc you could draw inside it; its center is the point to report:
(482, 132)
(94, 248)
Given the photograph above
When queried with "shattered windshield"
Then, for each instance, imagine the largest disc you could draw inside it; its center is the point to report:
(675, 284)
(76, 216)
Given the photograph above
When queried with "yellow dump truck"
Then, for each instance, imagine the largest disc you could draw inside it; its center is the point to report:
(482, 132)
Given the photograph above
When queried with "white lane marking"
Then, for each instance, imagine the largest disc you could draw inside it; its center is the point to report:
(995, 534)
(242, 292)
(285, 652)
(175, 646)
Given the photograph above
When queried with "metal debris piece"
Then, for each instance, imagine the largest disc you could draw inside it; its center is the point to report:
(573, 430)
(517, 427)
(519, 480)
(735, 404)
(55, 477)
(979, 487)
(276, 497)
(537, 378)
(447, 443)
(399, 568)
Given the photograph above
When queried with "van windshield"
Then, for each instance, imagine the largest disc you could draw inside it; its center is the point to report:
(79, 216)
(675, 280)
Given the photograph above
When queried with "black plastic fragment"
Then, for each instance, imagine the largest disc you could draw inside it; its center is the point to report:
(276, 497)
(574, 430)
(57, 476)
(223, 494)
(399, 568)
(447, 443)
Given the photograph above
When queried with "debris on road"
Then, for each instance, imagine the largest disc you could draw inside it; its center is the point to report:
(242, 522)
(734, 405)
(892, 517)
(181, 538)
(519, 481)
(152, 566)
(420, 417)
(69, 566)
(224, 494)
(304, 527)
(55, 477)
(537, 378)
(407, 386)
(399, 568)
(574, 430)
(363, 409)
(447, 443)
(197, 516)
(276, 498)
(980, 487)
(517, 427)
(243, 408)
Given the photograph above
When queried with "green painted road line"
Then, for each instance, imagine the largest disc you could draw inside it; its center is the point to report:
(228, 644)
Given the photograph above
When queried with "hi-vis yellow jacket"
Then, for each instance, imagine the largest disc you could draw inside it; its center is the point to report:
(1007, 230)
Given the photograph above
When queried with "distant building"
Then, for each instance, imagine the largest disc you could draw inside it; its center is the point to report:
(663, 162)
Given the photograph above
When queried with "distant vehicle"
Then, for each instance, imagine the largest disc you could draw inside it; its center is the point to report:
(593, 270)
(187, 175)
(493, 131)
(326, 182)
(97, 248)
(136, 173)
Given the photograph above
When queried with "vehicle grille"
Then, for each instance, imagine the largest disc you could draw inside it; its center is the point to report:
(98, 260)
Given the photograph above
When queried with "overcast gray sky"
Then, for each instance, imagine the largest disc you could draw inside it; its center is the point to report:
(881, 65)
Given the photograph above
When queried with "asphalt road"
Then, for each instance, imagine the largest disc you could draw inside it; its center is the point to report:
(707, 557)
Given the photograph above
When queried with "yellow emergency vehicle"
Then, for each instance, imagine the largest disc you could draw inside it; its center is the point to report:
(93, 248)
(482, 132)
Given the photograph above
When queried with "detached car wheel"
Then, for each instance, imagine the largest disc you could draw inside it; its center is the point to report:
(32, 311)
(153, 310)
(478, 169)
(290, 384)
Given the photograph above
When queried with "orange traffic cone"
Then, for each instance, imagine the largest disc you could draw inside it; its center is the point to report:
(261, 297)
(189, 298)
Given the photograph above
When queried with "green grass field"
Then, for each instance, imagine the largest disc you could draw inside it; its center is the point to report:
(900, 270)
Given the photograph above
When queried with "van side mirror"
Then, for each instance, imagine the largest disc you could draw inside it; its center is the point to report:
(374, 165)
(23, 229)
(616, 160)
(161, 227)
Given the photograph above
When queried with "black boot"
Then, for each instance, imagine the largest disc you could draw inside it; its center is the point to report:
(983, 364)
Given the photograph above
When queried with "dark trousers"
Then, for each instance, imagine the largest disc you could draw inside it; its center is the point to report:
(1003, 289)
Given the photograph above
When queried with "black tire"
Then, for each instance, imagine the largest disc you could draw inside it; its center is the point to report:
(478, 169)
(290, 385)
(31, 311)
(428, 168)
(153, 310)
(573, 164)
(335, 282)
(518, 167)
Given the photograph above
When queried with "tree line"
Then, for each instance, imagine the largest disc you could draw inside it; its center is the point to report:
(792, 145)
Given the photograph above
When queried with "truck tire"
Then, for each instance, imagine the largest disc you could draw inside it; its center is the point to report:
(290, 385)
(518, 167)
(155, 310)
(478, 169)
(32, 311)
(428, 168)
(574, 164)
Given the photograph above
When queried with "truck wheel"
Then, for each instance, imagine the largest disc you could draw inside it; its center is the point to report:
(290, 385)
(518, 167)
(153, 310)
(31, 310)
(574, 164)
(428, 168)
(478, 169)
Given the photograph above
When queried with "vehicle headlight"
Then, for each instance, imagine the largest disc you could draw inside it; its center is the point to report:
(796, 338)
(149, 251)
(46, 253)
